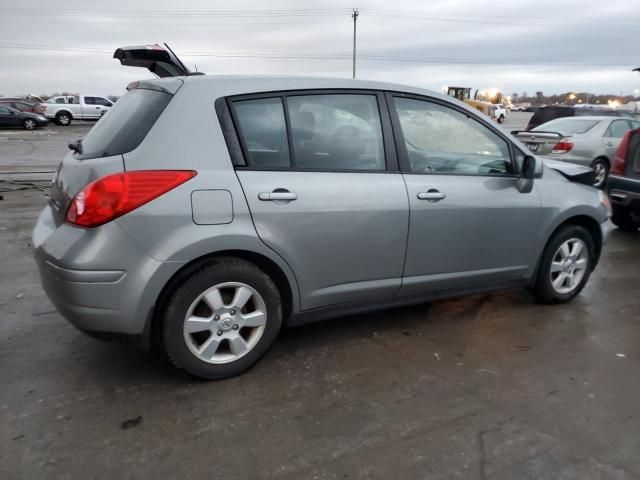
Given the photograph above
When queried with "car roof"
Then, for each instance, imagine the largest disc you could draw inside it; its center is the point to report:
(245, 84)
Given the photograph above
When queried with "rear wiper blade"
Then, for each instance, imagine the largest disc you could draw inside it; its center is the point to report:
(76, 146)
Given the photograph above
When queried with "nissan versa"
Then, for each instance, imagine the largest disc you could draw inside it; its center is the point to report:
(205, 212)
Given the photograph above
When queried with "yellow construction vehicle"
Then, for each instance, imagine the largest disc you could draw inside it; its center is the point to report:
(484, 101)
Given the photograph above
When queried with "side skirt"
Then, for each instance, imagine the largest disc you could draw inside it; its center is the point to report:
(344, 309)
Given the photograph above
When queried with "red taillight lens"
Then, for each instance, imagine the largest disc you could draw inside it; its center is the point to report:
(112, 196)
(620, 159)
(563, 146)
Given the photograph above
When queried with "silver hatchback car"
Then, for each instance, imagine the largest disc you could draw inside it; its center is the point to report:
(203, 213)
(591, 141)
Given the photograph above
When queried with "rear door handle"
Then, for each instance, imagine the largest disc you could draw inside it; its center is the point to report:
(609, 144)
(431, 195)
(279, 194)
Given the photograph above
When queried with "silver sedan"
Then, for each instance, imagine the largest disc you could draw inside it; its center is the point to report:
(590, 141)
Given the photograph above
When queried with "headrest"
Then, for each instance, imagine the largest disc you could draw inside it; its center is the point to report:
(304, 124)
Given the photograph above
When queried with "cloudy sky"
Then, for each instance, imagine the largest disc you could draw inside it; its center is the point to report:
(515, 45)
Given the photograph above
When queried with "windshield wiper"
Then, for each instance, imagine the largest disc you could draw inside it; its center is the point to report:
(76, 146)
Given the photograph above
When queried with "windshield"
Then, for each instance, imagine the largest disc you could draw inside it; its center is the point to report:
(567, 125)
(125, 125)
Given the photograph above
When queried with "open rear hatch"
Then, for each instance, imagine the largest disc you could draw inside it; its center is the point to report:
(160, 61)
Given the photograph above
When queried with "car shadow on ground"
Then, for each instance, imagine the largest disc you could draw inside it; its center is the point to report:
(129, 364)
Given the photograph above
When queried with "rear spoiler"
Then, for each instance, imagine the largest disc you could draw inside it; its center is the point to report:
(540, 133)
(160, 61)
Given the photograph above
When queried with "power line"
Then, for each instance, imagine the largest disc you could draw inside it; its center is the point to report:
(257, 13)
(307, 56)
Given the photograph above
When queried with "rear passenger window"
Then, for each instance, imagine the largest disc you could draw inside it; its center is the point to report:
(336, 132)
(617, 129)
(263, 129)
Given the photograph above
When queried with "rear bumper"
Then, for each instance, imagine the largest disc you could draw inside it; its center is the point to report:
(624, 192)
(98, 279)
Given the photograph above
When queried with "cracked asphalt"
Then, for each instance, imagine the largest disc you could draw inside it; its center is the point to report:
(483, 387)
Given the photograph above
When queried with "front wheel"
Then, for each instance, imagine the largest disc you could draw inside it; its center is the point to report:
(566, 264)
(29, 124)
(601, 169)
(501, 119)
(222, 319)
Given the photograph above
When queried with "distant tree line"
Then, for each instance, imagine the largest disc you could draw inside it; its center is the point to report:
(569, 98)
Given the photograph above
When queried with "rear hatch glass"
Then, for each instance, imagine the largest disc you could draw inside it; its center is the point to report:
(126, 124)
(546, 114)
(568, 126)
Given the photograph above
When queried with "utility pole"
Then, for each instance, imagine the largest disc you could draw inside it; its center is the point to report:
(354, 15)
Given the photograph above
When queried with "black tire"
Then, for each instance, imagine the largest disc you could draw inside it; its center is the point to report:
(600, 163)
(214, 272)
(30, 124)
(63, 119)
(501, 119)
(543, 288)
(625, 219)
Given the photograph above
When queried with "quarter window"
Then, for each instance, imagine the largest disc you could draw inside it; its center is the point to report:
(441, 140)
(263, 129)
(336, 132)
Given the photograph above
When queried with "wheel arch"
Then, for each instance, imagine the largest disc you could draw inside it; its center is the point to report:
(587, 222)
(601, 157)
(64, 110)
(153, 323)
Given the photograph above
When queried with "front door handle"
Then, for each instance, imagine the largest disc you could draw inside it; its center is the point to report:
(278, 195)
(431, 195)
(609, 144)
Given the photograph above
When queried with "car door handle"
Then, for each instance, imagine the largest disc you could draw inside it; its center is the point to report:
(432, 195)
(279, 194)
(609, 144)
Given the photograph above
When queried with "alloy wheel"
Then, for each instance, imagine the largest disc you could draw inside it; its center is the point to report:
(569, 266)
(600, 170)
(225, 322)
(29, 124)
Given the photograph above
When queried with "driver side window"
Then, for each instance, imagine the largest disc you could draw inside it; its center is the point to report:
(441, 140)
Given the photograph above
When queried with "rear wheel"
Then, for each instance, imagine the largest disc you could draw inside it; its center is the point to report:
(625, 219)
(600, 167)
(63, 118)
(222, 319)
(29, 124)
(501, 119)
(566, 265)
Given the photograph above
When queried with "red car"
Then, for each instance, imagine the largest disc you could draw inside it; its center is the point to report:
(23, 105)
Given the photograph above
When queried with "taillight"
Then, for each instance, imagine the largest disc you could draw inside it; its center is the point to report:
(620, 158)
(114, 195)
(563, 146)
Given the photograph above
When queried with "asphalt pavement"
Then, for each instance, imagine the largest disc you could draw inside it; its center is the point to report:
(484, 387)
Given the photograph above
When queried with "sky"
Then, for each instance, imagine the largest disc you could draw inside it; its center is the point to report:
(515, 45)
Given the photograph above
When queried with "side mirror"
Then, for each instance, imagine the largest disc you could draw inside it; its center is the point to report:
(525, 182)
